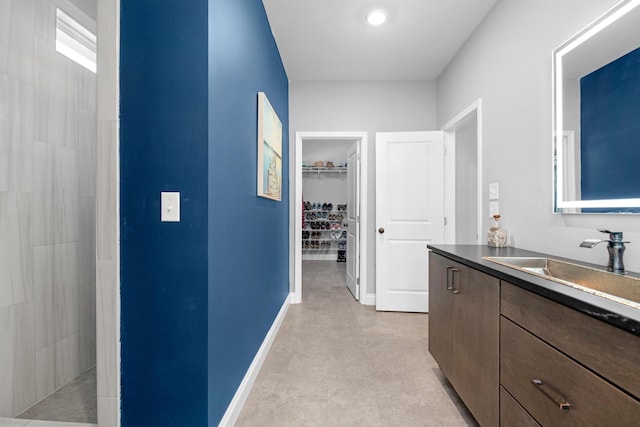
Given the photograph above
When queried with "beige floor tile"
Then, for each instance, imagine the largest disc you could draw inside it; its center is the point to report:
(336, 362)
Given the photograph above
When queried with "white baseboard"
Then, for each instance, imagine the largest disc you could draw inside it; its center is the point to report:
(233, 410)
(370, 299)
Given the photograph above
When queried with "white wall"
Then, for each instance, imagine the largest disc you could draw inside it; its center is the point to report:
(507, 63)
(325, 187)
(362, 106)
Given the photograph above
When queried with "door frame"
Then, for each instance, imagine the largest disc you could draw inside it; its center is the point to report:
(449, 130)
(295, 226)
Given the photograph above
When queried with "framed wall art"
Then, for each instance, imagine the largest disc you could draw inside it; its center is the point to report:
(269, 150)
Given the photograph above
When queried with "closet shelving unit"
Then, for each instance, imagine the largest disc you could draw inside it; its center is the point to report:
(326, 240)
(324, 169)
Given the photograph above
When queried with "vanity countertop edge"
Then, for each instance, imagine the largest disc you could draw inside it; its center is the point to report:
(617, 314)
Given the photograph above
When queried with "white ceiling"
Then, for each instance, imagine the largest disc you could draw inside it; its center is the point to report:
(330, 39)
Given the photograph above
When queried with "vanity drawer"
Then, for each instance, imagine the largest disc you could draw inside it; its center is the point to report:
(605, 349)
(512, 414)
(593, 401)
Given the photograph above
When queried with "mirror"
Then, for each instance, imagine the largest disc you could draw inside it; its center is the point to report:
(596, 111)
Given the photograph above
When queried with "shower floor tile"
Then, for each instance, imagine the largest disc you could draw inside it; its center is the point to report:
(14, 422)
(75, 402)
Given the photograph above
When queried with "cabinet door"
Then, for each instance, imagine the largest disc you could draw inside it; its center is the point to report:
(441, 313)
(476, 343)
(464, 312)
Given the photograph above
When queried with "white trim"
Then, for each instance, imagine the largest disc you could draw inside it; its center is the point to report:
(451, 126)
(450, 186)
(370, 299)
(235, 407)
(295, 188)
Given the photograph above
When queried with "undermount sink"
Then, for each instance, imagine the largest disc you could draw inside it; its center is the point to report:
(617, 287)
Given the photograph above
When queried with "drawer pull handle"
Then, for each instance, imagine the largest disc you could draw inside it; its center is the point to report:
(449, 280)
(453, 281)
(544, 388)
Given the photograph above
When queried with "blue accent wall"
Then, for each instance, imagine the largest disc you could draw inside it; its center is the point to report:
(610, 130)
(163, 147)
(198, 296)
(248, 235)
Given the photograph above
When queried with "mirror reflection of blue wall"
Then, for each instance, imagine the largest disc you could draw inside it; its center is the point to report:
(610, 124)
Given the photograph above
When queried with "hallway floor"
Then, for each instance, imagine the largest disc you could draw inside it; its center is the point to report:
(336, 362)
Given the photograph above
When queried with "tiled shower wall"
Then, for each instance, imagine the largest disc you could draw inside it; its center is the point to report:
(47, 209)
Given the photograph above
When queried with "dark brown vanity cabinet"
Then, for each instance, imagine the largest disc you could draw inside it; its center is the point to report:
(565, 368)
(516, 358)
(464, 307)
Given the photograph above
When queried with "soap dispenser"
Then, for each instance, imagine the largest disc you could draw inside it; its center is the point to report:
(496, 236)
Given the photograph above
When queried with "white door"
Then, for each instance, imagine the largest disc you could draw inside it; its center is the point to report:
(409, 214)
(353, 223)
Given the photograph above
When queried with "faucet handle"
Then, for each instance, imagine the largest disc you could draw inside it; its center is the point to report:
(613, 235)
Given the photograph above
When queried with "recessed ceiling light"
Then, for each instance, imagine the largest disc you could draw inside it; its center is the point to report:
(376, 17)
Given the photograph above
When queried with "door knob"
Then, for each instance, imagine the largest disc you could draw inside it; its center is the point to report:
(381, 230)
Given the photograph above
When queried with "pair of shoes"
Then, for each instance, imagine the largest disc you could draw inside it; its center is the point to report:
(329, 164)
(336, 235)
(305, 234)
(342, 256)
(318, 164)
(342, 245)
(342, 207)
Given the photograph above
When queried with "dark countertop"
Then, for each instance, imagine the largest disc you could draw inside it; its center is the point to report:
(617, 314)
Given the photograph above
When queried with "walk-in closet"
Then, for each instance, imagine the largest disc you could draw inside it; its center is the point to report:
(325, 195)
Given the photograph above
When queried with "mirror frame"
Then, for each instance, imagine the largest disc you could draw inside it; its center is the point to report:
(560, 204)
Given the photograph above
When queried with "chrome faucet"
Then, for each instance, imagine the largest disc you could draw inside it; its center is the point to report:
(615, 247)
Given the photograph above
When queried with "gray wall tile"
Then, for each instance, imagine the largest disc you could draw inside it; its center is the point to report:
(47, 209)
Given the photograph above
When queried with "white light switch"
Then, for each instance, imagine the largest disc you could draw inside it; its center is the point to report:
(493, 209)
(493, 191)
(170, 206)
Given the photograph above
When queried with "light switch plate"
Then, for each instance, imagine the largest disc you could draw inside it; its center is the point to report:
(493, 209)
(170, 206)
(493, 191)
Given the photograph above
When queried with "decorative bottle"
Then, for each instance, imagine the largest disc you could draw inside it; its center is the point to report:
(496, 236)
